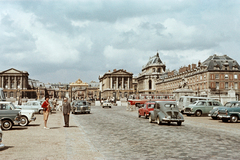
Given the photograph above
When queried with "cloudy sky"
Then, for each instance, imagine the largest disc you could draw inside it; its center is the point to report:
(61, 41)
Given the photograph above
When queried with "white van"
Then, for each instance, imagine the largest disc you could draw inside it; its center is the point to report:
(184, 101)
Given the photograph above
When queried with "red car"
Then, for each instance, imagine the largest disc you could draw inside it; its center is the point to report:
(144, 111)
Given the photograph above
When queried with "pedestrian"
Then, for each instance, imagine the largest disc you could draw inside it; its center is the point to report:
(66, 112)
(46, 109)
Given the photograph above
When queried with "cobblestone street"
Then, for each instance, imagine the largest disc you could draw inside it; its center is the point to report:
(119, 134)
(114, 133)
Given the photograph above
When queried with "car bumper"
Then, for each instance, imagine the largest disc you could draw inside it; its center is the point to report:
(2, 145)
(223, 117)
(188, 112)
(172, 120)
(82, 111)
(32, 119)
(16, 122)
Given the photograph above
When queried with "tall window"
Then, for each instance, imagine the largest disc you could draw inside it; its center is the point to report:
(226, 76)
(150, 84)
(235, 85)
(226, 85)
(235, 76)
(217, 76)
(217, 85)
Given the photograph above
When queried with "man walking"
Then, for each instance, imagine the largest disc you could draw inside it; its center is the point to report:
(66, 112)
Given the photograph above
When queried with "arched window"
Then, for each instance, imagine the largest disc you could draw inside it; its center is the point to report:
(150, 84)
(158, 69)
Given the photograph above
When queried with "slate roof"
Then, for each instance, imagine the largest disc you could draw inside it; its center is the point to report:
(153, 60)
(220, 62)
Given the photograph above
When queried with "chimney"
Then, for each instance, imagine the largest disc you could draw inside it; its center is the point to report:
(194, 66)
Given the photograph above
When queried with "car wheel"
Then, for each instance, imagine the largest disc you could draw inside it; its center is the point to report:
(139, 115)
(179, 123)
(150, 118)
(158, 121)
(198, 113)
(40, 111)
(224, 120)
(215, 118)
(6, 124)
(23, 121)
(233, 119)
(145, 115)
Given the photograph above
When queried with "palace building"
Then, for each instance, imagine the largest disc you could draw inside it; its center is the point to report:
(153, 70)
(116, 84)
(216, 75)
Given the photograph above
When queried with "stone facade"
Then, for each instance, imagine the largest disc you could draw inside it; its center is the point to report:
(116, 84)
(83, 90)
(14, 83)
(152, 71)
(216, 75)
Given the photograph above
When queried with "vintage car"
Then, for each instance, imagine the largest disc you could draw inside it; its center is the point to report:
(198, 108)
(1, 134)
(107, 104)
(32, 105)
(230, 113)
(80, 106)
(214, 112)
(166, 111)
(9, 116)
(144, 111)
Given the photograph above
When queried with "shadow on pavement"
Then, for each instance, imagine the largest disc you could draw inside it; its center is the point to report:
(54, 127)
(19, 128)
(6, 147)
(73, 126)
(33, 125)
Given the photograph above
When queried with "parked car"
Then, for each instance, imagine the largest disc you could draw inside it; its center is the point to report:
(27, 116)
(9, 116)
(166, 111)
(107, 104)
(185, 101)
(230, 113)
(32, 105)
(1, 134)
(81, 107)
(144, 111)
(198, 108)
(214, 112)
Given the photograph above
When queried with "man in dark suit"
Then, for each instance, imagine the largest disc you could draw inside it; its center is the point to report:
(66, 112)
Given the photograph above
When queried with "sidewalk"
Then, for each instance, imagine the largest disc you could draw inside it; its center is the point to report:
(58, 142)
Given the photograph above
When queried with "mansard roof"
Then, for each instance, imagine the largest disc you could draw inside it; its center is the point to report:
(220, 62)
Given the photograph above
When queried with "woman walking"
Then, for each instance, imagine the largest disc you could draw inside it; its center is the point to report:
(46, 110)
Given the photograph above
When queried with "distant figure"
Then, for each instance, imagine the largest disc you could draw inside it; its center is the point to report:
(46, 109)
(66, 112)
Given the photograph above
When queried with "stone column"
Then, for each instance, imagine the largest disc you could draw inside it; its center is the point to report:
(3, 82)
(128, 86)
(15, 82)
(111, 83)
(122, 83)
(116, 82)
(9, 82)
(21, 82)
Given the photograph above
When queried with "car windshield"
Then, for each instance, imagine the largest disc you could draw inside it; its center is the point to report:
(106, 102)
(13, 106)
(151, 106)
(228, 104)
(170, 105)
(195, 102)
(81, 103)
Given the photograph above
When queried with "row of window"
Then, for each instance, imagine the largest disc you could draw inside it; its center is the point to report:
(225, 76)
